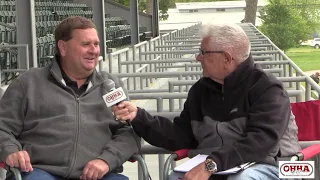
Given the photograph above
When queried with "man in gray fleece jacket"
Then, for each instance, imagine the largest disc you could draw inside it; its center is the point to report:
(54, 123)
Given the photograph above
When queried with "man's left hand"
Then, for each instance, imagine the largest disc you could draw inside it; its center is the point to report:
(197, 173)
(94, 170)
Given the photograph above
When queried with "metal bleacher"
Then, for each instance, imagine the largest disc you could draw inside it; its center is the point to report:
(158, 74)
(48, 15)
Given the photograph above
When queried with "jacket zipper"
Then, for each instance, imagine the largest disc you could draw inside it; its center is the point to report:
(217, 129)
(75, 145)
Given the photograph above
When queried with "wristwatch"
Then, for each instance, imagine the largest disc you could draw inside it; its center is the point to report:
(211, 166)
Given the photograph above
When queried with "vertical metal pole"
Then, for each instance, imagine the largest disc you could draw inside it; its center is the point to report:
(155, 18)
(26, 32)
(308, 94)
(127, 59)
(134, 22)
(110, 62)
(171, 101)
(99, 21)
(290, 75)
(161, 157)
(0, 76)
(134, 57)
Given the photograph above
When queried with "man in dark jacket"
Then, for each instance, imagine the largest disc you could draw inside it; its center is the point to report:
(236, 113)
(54, 123)
(315, 77)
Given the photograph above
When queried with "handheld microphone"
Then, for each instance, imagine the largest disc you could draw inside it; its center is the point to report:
(112, 95)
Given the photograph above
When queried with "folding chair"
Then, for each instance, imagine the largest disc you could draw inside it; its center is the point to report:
(2, 171)
(134, 158)
(307, 117)
(17, 174)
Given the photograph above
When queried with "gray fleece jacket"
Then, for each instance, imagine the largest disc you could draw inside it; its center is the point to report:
(60, 131)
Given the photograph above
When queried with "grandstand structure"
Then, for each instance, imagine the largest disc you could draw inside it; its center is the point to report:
(47, 15)
(157, 73)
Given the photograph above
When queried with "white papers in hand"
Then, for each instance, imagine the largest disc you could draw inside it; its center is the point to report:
(191, 163)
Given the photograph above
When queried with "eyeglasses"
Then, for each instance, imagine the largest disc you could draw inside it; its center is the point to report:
(202, 52)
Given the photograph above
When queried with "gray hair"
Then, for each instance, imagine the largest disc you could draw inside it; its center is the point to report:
(228, 37)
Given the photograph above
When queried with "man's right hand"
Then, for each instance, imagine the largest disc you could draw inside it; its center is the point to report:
(20, 160)
(125, 111)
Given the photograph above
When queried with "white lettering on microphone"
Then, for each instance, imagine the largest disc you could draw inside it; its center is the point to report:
(114, 97)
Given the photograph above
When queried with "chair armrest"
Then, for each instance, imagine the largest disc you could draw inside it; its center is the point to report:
(142, 164)
(15, 171)
(2, 165)
(307, 153)
(3, 172)
(150, 149)
(177, 155)
(181, 154)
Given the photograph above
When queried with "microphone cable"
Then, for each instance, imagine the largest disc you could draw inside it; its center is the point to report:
(136, 138)
(110, 86)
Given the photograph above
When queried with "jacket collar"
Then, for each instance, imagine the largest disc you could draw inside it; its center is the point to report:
(239, 74)
(55, 70)
(234, 78)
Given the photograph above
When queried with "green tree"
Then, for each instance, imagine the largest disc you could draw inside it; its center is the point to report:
(123, 2)
(163, 8)
(286, 23)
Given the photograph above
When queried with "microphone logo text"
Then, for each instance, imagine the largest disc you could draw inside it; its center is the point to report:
(114, 96)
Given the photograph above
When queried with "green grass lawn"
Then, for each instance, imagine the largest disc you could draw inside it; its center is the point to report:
(306, 57)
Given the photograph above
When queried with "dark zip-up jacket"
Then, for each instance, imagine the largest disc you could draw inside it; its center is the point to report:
(247, 120)
(61, 131)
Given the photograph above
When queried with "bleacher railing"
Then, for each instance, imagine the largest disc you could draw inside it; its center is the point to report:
(158, 73)
(11, 67)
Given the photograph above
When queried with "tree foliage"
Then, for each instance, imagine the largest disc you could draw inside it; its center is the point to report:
(288, 22)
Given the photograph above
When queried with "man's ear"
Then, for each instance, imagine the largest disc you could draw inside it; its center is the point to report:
(228, 57)
(62, 47)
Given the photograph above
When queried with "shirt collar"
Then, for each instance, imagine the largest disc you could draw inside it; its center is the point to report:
(68, 80)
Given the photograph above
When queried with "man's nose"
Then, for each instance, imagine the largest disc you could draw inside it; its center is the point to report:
(94, 49)
(199, 57)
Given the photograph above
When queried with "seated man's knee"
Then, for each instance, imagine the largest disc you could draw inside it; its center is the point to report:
(114, 176)
(257, 172)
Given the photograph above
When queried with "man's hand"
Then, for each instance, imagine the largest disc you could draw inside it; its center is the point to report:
(125, 111)
(94, 170)
(197, 173)
(20, 160)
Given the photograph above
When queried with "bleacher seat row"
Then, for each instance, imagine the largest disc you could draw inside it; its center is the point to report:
(48, 15)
